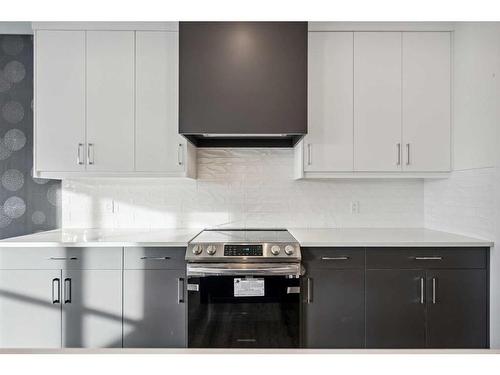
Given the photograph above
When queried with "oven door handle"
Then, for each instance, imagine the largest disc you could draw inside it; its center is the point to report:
(244, 269)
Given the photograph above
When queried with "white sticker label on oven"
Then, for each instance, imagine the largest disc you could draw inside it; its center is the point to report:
(251, 287)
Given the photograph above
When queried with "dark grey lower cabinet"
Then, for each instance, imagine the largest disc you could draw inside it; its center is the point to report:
(333, 312)
(395, 298)
(154, 308)
(457, 309)
(395, 308)
(333, 288)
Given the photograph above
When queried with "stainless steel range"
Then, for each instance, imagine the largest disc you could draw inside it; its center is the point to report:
(243, 289)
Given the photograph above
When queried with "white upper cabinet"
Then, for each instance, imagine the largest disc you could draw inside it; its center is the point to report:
(157, 101)
(106, 104)
(377, 101)
(60, 101)
(379, 105)
(329, 142)
(426, 101)
(110, 101)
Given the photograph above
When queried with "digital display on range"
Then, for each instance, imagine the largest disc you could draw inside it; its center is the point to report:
(242, 250)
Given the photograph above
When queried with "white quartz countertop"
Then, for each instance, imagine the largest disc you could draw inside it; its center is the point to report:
(104, 238)
(375, 237)
(347, 237)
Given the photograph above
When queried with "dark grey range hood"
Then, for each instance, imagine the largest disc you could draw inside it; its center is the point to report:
(243, 84)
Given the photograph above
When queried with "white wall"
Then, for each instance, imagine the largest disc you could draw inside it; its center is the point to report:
(469, 201)
(242, 188)
(476, 81)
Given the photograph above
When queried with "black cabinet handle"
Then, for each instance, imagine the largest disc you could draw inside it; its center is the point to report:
(180, 290)
(67, 290)
(155, 258)
(56, 290)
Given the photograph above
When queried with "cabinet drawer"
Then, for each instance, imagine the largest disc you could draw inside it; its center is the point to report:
(155, 258)
(61, 258)
(426, 258)
(334, 257)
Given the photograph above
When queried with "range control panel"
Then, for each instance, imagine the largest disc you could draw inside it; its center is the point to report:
(243, 250)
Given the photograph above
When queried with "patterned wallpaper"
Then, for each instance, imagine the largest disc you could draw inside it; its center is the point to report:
(27, 205)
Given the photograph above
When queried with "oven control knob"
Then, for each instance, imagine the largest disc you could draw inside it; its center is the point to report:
(211, 250)
(289, 250)
(275, 250)
(197, 249)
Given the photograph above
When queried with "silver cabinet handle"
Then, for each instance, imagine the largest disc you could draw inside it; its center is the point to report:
(155, 258)
(433, 290)
(428, 258)
(63, 258)
(408, 154)
(90, 153)
(309, 154)
(334, 258)
(309, 297)
(180, 290)
(398, 156)
(180, 154)
(56, 290)
(422, 287)
(67, 290)
(79, 160)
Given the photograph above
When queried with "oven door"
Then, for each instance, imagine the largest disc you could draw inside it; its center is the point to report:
(232, 308)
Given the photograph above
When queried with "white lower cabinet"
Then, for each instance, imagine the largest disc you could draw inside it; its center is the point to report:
(93, 297)
(154, 301)
(30, 314)
(91, 309)
(77, 304)
(154, 310)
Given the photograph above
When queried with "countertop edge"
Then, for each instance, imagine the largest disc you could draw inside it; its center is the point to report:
(93, 244)
(397, 244)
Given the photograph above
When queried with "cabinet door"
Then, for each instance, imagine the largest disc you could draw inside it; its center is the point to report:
(159, 147)
(334, 310)
(30, 314)
(426, 101)
(457, 309)
(92, 308)
(395, 309)
(377, 101)
(110, 100)
(60, 100)
(154, 309)
(329, 142)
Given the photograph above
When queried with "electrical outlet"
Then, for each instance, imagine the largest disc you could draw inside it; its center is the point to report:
(354, 207)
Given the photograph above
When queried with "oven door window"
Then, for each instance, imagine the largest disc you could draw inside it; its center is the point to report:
(261, 313)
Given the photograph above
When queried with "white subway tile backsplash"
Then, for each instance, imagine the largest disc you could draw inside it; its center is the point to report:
(463, 203)
(242, 188)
